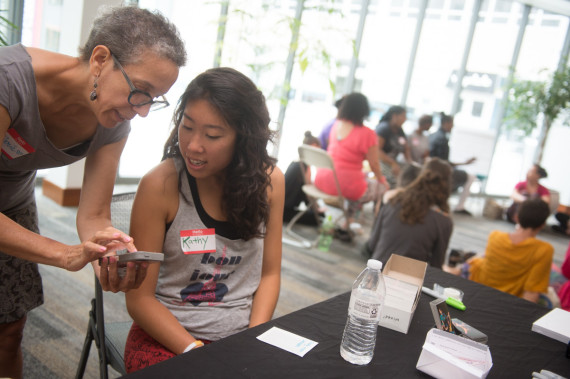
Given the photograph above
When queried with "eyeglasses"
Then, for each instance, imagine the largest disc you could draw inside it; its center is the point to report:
(138, 98)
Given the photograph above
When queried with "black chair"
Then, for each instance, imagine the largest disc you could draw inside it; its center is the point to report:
(109, 338)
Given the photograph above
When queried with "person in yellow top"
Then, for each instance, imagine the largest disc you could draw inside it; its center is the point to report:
(517, 263)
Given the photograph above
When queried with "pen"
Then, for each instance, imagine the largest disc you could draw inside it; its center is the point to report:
(448, 300)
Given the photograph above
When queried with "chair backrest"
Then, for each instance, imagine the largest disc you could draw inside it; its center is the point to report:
(319, 158)
(315, 156)
(121, 205)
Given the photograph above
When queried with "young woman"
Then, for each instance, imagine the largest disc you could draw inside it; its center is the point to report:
(415, 223)
(57, 109)
(350, 144)
(392, 142)
(528, 189)
(214, 207)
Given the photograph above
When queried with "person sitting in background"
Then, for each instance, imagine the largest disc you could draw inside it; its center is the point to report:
(528, 189)
(415, 223)
(517, 263)
(213, 206)
(564, 290)
(350, 144)
(326, 131)
(408, 174)
(392, 142)
(439, 147)
(419, 141)
(562, 215)
(294, 181)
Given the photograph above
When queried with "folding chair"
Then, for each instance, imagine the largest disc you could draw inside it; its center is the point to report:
(109, 338)
(317, 158)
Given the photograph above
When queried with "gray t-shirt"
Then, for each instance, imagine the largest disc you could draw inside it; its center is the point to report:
(207, 286)
(426, 241)
(26, 147)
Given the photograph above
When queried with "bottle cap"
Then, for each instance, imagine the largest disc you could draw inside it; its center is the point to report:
(374, 264)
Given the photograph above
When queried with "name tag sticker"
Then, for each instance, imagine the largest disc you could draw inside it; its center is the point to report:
(14, 146)
(198, 241)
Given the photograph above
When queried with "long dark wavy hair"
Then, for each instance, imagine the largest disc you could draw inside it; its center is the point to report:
(243, 107)
(431, 187)
(394, 109)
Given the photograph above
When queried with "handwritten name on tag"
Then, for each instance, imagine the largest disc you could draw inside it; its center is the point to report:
(198, 241)
(14, 146)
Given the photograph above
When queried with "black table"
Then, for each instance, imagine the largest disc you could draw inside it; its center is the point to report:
(516, 350)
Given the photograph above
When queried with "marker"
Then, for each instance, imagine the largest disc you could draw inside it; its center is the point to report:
(448, 300)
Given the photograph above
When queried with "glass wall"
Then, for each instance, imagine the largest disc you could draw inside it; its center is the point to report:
(257, 42)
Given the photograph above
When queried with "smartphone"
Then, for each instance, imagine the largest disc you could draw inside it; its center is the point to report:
(138, 256)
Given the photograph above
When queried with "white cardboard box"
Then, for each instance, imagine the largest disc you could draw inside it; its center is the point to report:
(555, 324)
(448, 356)
(404, 278)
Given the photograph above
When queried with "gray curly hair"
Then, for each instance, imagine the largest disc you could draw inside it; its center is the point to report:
(128, 31)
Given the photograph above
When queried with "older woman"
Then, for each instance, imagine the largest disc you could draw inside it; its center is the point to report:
(57, 109)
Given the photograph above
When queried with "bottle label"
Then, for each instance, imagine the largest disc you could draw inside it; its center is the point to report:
(364, 309)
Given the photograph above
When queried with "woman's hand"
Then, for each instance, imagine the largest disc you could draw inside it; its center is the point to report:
(106, 243)
(111, 280)
(103, 242)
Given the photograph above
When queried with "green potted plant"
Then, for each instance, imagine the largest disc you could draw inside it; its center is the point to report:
(549, 98)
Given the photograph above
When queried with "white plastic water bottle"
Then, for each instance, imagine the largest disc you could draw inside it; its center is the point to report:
(366, 300)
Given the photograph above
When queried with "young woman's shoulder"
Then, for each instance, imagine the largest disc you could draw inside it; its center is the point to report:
(277, 183)
(161, 181)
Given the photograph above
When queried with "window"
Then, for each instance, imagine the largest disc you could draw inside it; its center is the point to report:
(477, 109)
(52, 39)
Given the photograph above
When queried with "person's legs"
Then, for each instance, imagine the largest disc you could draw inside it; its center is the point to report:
(468, 180)
(374, 192)
(564, 221)
(141, 350)
(20, 292)
(11, 348)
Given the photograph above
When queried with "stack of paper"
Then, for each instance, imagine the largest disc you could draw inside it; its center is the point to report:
(555, 324)
(448, 356)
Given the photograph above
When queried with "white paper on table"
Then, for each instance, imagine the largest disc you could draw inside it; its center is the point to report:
(288, 341)
(445, 355)
(400, 294)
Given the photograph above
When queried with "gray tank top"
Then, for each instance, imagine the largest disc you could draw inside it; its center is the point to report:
(26, 147)
(209, 274)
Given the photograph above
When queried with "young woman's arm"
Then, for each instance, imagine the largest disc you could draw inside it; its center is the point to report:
(265, 298)
(155, 204)
(516, 195)
(386, 158)
(373, 158)
(531, 296)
